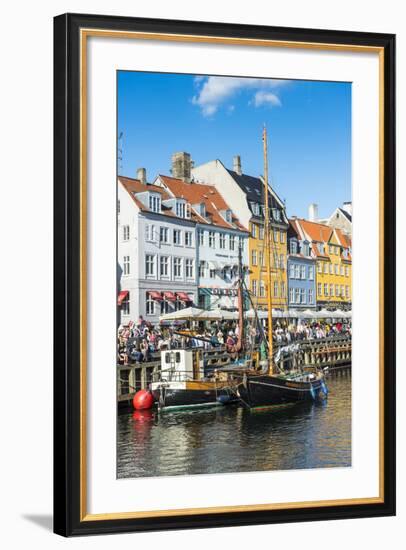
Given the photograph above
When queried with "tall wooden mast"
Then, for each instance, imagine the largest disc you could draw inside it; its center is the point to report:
(267, 231)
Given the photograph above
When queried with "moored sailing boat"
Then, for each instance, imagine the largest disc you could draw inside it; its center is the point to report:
(269, 388)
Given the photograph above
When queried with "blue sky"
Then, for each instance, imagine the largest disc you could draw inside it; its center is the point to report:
(308, 122)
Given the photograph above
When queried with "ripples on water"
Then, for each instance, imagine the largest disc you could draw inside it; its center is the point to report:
(233, 439)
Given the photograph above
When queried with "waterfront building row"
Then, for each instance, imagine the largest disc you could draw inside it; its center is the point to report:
(179, 242)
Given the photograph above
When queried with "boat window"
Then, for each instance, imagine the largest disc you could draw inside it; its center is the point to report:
(167, 357)
(177, 357)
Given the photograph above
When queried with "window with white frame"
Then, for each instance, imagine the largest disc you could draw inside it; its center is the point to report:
(331, 290)
(337, 290)
(342, 270)
(149, 265)
(275, 235)
(155, 203)
(126, 265)
(283, 289)
(297, 271)
(212, 273)
(291, 295)
(261, 232)
(319, 289)
(325, 289)
(163, 235)
(150, 232)
(293, 247)
(326, 266)
(331, 266)
(320, 246)
(311, 296)
(177, 236)
(254, 257)
(202, 268)
(188, 238)
(232, 242)
(165, 306)
(276, 289)
(305, 249)
(276, 260)
(241, 244)
(282, 237)
(126, 232)
(180, 209)
(311, 272)
(164, 266)
(297, 295)
(303, 272)
(302, 296)
(177, 267)
(282, 261)
(347, 291)
(336, 269)
(261, 258)
(254, 287)
(222, 240)
(253, 230)
(262, 289)
(201, 237)
(320, 267)
(189, 268)
(292, 271)
(149, 305)
(212, 239)
(342, 291)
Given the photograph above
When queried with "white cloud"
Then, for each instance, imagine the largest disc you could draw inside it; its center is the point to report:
(266, 98)
(214, 91)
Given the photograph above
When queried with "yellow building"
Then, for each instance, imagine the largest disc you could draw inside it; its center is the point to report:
(332, 250)
(257, 265)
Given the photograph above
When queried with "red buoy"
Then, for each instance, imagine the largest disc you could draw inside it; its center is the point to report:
(142, 400)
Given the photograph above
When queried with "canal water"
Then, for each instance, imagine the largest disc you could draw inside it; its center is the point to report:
(233, 439)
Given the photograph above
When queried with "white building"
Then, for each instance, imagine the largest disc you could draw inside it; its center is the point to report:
(341, 218)
(220, 235)
(157, 270)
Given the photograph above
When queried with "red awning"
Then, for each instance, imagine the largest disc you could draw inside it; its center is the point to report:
(121, 296)
(170, 296)
(155, 295)
(183, 297)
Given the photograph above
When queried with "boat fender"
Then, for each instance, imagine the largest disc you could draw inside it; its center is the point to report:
(324, 387)
(312, 393)
(143, 400)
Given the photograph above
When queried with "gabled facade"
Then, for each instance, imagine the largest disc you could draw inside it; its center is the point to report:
(341, 219)
(245, 195)
(332, 252)
(219, 237)
(157, 270)
(301, 271)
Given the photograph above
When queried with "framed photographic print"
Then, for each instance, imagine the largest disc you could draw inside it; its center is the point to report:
(224, 274)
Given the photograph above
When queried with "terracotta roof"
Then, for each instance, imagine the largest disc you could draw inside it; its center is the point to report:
(316, 231)
(197, 193)
(133, 186)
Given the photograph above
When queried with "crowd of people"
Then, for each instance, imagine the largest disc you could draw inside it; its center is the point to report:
(138, 342)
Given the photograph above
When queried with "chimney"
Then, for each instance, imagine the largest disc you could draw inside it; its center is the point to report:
(313, 212)
(347, 206)
(142, 175)
(237, 164)
(181, 166)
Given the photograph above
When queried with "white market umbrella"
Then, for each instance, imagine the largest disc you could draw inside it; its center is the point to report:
(192, 314)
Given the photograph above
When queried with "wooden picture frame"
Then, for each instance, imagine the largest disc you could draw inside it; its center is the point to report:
(70, 468)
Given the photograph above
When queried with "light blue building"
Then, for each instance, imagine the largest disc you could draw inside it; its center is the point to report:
(301, 270)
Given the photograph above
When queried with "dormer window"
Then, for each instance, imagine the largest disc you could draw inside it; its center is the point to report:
(320, 246)
(181, 209)
(154, 202)
(276, 214)
(293, 247)
(255, 208)
(229, 216)
(305, 249)
(203, 209)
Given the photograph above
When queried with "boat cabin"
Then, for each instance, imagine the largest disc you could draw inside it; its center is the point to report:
(179, 365)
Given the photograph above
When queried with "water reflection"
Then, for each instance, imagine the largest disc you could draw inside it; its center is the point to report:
(231, 439)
